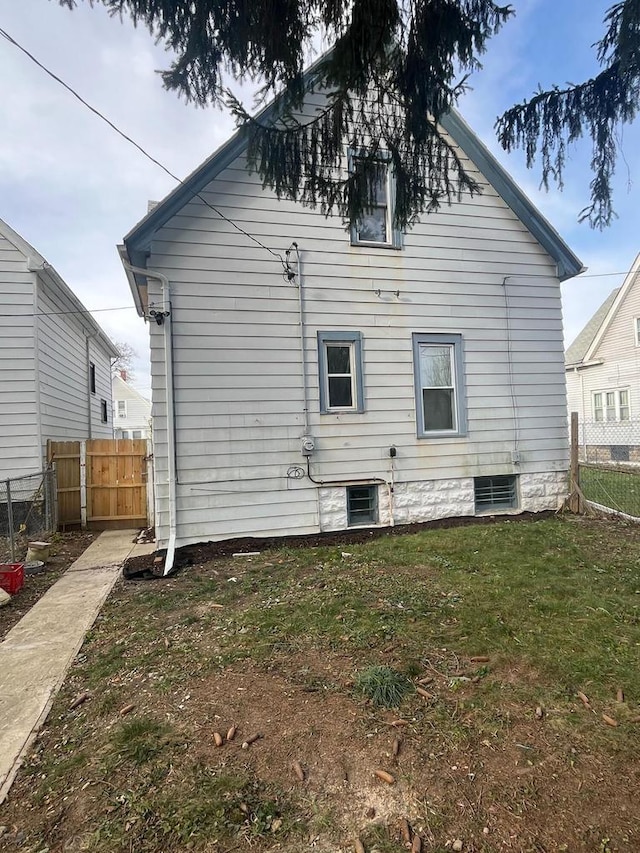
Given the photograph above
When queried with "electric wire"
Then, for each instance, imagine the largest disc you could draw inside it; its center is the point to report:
(131, 141)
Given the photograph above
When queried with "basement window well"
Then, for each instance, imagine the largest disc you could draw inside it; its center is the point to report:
(362, 505)
(495, 493)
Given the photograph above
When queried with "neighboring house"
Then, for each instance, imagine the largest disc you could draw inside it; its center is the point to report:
(378, 379)
(603, 375)
(131, 411)
(55, 361)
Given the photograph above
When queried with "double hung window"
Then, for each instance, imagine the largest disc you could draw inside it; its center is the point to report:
(340, 371)
(439, 385)
(375, 181)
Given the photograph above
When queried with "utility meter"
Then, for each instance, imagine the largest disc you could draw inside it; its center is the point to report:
(308, 445)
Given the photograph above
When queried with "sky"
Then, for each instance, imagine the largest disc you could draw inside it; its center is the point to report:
(73, 188)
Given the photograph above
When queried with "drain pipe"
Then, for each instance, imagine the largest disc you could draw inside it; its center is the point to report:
(292, 276)
(163, 318)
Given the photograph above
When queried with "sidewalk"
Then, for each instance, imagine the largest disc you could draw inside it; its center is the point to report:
(37, 652)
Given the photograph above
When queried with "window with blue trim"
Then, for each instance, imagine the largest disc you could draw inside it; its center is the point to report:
(340, 372)
(375, 228)
(439, 385)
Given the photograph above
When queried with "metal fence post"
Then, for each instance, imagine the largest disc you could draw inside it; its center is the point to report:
(12, 540)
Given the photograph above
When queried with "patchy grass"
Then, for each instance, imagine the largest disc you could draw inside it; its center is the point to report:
(619, 490)
(304, 649)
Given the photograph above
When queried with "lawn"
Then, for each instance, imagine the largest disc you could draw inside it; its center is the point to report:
(508, 653)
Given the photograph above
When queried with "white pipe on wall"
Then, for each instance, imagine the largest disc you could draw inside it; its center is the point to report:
(171, 420)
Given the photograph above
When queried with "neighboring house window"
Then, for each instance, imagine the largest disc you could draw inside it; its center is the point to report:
(636, 330)
(340, 372)
(611, 405)
(122, 408)
(92, 377)
(493, 493)
(362, 505)
(376, 226)
(104, 415)
(439, 385)
(137, 433)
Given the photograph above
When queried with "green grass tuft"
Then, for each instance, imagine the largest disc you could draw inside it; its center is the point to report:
(383, 685)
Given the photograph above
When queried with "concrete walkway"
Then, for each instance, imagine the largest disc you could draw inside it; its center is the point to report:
(36, 653)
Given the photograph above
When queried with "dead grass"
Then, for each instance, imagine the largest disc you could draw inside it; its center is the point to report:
(499, 626)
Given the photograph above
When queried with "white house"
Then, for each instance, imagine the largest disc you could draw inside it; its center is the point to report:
(55, 361)
(603, 375)
(372, 381)
(131, 411)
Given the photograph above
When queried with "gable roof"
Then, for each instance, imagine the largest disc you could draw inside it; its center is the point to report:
(583, 349)
(118, 384)
(138, 241)
(51, 278)
(576, 352)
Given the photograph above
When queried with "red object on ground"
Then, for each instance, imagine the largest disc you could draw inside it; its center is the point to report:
(11, 577)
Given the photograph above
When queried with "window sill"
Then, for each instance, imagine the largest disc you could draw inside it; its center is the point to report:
(363, 245)
(440, 435)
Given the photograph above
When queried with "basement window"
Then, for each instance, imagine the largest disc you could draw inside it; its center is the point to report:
(362, 505)
(495, 493)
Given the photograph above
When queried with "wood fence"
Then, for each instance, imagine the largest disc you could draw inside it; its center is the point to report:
(103, 483)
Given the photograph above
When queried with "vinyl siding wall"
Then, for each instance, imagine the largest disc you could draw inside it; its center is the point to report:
(621, 362)
(238, 389)
(138, 415)
(19, 443)
(68, 410)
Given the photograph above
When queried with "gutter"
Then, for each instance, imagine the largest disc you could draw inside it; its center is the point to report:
(164, 318)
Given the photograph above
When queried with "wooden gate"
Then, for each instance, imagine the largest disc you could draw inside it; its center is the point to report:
(102, 483)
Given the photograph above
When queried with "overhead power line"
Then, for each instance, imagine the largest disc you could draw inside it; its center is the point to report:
(157, 162)
(131, 141)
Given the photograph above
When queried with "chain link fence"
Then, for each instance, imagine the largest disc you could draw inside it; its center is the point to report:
(609, 462)
(27, 510)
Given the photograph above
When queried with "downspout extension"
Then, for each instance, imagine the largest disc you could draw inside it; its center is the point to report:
(164, 318)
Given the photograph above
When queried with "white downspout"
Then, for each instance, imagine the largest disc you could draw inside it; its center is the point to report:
(165, 321)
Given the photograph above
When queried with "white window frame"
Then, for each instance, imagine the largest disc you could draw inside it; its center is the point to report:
(455, 344)
(636, 330)
(601, 403)
(394, 236)
(121, 408)
(352, 340)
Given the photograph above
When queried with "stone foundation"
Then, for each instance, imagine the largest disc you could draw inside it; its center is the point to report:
(428, 500)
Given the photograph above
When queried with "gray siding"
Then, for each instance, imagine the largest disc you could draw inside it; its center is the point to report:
(237, 367)
(68, 410)
(19, 442)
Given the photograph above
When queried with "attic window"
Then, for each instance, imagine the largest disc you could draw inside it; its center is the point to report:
(375, 228)
(495, 493)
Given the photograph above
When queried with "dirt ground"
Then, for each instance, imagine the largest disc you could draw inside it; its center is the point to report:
(475, 764)
(66, 548)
